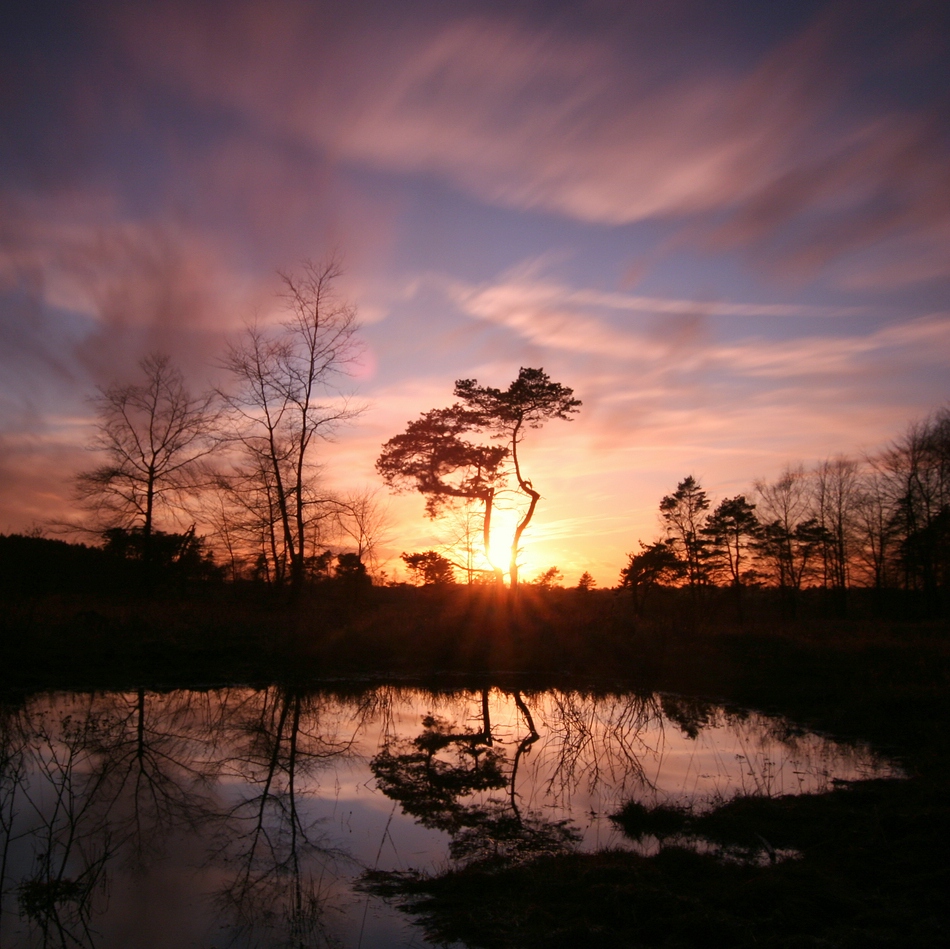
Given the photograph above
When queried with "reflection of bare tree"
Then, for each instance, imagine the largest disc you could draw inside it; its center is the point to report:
(595, 742)
(87, 779)
(435, 776)
(12, 768)
(71, 838)
(152, 754)
(89, 782)
(283, 866)
(620, 743)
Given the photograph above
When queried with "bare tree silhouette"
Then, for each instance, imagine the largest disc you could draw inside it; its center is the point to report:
(284, 401)
(156, 437)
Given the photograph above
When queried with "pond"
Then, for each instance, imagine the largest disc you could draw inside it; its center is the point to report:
(245, 817)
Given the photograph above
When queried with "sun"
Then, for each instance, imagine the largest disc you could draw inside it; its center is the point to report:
(468, 549)
(503, 525)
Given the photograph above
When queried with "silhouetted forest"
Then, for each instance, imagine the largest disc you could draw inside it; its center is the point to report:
(881, 524)
(222, 491)
(845, 538)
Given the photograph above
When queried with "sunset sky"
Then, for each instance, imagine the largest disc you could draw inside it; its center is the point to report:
(726, 225)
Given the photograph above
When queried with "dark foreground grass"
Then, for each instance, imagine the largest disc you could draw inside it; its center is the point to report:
(870, 870)
(871, 874)
(873, 864)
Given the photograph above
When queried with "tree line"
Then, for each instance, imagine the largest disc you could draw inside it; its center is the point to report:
(243, 460)
(879, 522)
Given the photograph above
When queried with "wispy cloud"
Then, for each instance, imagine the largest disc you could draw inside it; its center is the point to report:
(582, 321)
(793, 156)
(555, 315)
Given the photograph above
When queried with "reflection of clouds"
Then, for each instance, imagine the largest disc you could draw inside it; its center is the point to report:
(232, 783)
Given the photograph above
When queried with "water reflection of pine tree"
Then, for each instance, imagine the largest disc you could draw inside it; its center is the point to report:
(432, 775)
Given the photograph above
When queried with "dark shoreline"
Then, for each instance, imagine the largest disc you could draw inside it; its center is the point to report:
(854, 677)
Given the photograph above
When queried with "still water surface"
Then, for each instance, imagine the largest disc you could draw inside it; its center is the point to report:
(243, 817)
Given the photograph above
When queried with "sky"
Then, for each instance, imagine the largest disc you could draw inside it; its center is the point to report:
(725, 225)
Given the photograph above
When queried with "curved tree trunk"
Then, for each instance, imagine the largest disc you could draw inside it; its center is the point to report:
(528, 489)
(520, 529)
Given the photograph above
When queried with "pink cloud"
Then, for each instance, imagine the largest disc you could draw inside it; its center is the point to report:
(586, 126)
(583, 322)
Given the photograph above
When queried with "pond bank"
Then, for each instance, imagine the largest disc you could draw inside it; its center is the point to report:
(855, 678)
(870, 875)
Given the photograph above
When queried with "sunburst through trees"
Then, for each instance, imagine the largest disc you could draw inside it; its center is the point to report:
(433, 458)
